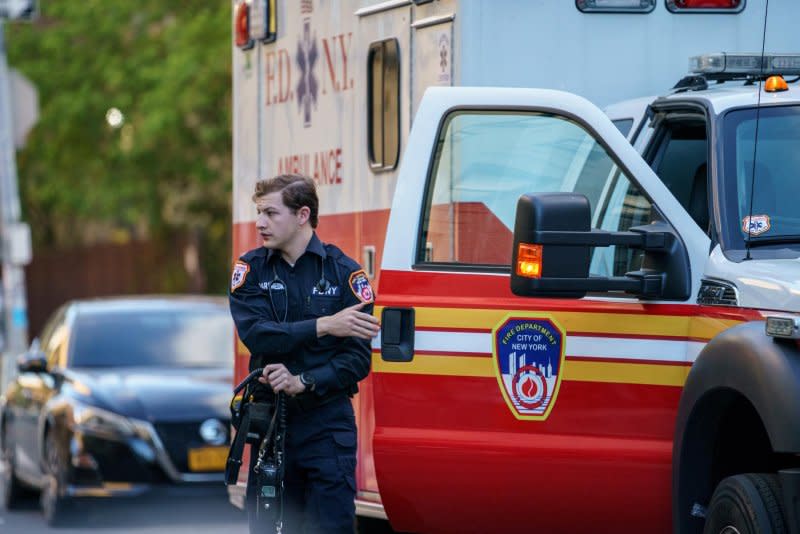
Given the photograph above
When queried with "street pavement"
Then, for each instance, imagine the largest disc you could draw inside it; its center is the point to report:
(204, 513)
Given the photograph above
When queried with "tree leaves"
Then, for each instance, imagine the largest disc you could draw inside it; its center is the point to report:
(167, 169)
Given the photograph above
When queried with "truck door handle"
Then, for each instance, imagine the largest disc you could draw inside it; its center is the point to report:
(397, 334)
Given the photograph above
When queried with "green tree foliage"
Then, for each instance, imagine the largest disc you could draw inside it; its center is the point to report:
(165, 173)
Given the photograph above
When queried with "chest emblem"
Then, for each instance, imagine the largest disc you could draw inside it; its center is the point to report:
(529, 360)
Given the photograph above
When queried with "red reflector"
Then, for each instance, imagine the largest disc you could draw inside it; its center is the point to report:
(713, 4)
(529, 260)
(731, 6)
(242, 30)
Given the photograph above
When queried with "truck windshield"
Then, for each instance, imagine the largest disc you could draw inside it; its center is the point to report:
(760, 183)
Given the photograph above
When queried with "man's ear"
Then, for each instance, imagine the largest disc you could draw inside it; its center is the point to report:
(303, 215)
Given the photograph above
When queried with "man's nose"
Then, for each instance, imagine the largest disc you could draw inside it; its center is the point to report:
(261, 222)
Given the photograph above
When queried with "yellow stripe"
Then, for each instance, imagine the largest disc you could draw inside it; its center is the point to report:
(651, 374)
(579, 371)
(584, 321)
(437, 365)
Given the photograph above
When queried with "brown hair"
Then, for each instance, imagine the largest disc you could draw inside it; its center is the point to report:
(296, 190)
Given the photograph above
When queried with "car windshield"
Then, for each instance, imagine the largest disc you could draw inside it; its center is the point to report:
(761, 188)
(174, 337)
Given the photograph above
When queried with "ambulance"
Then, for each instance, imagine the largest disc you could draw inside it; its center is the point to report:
(498, 401)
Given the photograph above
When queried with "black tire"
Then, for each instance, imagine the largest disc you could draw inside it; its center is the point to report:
(368, 525)
(56, 508)
(14, 492)
(750, 503)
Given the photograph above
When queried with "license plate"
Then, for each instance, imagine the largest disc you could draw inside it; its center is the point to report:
(208, 458)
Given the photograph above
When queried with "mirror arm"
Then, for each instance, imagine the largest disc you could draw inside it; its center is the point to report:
(637, 237)
(642, 283)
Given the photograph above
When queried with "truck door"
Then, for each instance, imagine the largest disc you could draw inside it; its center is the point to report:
(493, 411)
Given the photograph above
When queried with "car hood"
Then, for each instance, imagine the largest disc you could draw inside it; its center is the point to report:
(763, 284)
(157, 394)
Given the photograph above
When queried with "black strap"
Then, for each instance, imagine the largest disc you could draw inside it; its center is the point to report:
(237, 449)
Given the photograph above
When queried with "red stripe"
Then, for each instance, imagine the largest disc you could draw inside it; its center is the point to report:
(654, 337)
(454, 329)
(471, 290)
(626, 360)
(453, 353)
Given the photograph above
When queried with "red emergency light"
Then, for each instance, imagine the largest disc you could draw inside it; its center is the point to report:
(242, 27)
(705, 6)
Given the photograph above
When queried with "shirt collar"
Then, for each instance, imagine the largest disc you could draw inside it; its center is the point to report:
(314, 246)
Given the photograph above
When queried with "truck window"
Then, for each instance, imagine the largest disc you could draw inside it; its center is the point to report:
(383, 104)
(485, 160)
(680, 162)
(623, 125)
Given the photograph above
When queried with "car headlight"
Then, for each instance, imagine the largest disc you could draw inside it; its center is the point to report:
(95, 420)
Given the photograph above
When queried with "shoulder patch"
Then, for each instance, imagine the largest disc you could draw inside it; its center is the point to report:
(359, 285)
(240, 270)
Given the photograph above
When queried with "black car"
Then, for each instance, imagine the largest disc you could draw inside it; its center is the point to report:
(119, 396)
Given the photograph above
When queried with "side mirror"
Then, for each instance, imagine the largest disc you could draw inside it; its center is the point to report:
(33, 361)
(553, 240)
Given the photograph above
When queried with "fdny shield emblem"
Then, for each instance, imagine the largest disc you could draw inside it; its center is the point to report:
(359, 285)
(529, 361)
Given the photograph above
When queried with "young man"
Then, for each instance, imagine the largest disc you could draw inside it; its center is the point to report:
(304, 310)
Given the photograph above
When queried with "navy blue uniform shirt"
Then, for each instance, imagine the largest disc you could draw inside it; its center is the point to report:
(275, 307)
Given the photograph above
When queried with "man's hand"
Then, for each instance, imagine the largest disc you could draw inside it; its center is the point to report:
(280, 379)
(349, 322)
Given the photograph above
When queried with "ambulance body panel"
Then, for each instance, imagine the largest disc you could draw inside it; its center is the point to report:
(446, 443)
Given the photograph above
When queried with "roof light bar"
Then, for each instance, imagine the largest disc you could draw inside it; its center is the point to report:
(749, 64)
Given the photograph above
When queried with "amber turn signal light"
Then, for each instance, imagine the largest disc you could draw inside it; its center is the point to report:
(529, 260)
(775, 84)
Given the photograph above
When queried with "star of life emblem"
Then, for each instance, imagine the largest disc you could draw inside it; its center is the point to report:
(307, 86)
(529, 358)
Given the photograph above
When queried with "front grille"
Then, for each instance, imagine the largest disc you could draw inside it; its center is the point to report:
(714, 293)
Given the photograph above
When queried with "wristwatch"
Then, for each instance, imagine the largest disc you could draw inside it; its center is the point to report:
(307, 379)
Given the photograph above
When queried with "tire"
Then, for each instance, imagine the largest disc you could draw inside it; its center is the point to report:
(55, 507)
(746, 504)
(13, 490)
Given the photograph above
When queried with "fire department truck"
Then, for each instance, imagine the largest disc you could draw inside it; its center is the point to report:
(563, 398)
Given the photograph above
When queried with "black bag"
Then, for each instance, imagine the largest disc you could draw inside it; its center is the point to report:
(251, 421)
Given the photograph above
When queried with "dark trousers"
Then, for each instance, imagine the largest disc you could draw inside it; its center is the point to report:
(319, 481)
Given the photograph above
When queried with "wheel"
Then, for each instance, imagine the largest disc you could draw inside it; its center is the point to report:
(13, 490)
(55, 507)
(746, 504)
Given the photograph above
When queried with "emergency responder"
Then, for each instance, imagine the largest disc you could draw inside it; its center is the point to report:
(304, 311)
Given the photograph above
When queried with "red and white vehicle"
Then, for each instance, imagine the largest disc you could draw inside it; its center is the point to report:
(487, 410)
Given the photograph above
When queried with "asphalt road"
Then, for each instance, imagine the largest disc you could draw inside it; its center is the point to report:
(204, 513)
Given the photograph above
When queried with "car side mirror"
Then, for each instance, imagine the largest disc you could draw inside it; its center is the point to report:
(33, 361)
(553, 240)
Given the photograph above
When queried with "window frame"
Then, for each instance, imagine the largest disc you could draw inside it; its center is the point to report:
(444, 122)
(378, 165)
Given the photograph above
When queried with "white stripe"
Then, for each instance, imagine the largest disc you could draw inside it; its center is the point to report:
(587, 347)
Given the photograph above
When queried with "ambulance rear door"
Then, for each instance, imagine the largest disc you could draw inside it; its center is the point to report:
(494, 411)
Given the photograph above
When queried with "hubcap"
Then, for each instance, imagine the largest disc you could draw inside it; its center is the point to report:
(729, 530)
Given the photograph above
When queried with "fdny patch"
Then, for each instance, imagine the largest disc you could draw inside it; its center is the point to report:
(240, 270)
(756, 224)
(529, 360)
(359, 284)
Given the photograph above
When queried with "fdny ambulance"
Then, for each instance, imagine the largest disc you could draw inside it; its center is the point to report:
(531, 373)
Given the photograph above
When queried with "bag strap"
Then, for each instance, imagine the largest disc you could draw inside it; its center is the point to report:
(234, 462)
